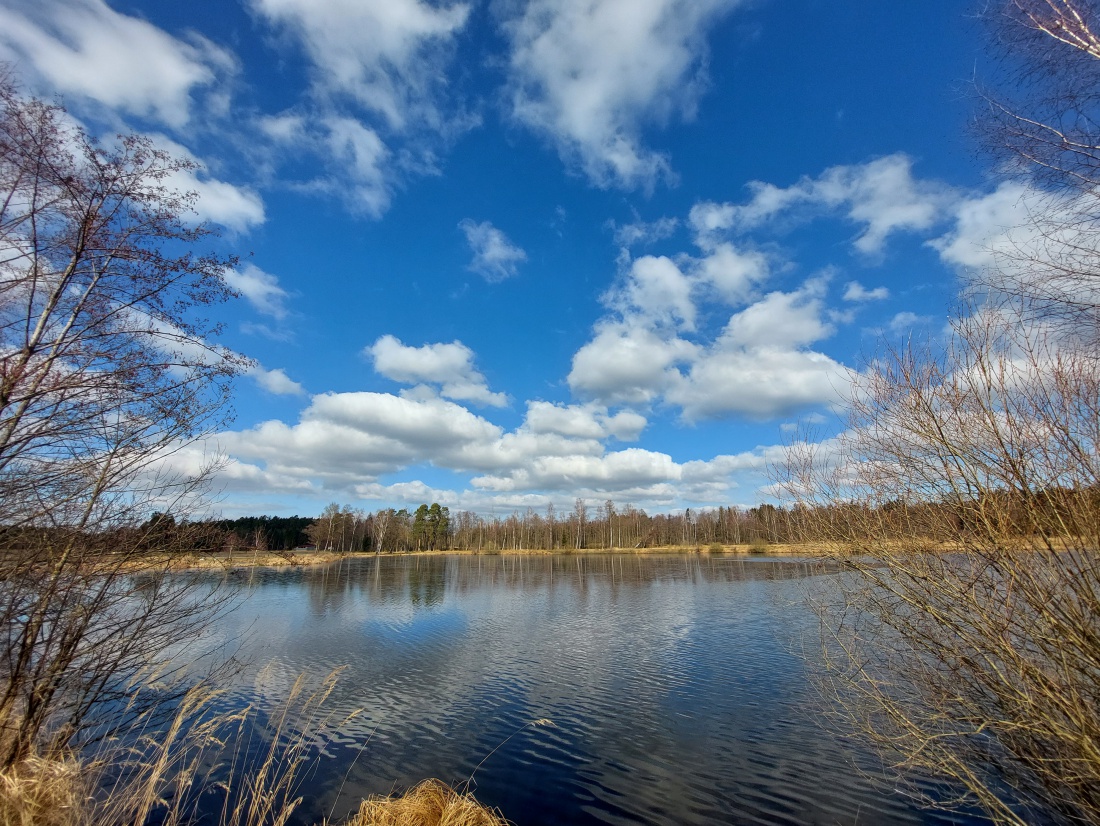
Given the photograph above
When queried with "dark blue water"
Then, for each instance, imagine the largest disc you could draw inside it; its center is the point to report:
(677, 687)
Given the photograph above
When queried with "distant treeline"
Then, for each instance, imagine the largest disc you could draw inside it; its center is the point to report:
(606, 525)
(343, 529)
(586, 527)
(272, 533)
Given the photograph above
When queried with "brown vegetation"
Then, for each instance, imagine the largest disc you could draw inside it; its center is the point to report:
(978, 661)
(40, 792)
(981, 662)
(108, 376)
(165, 774)
(432, 803)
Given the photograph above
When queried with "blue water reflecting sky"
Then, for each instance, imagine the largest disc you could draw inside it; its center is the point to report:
(678, 687)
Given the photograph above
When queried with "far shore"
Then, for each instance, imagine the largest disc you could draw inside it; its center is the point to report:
(241, 559)
(244, 559)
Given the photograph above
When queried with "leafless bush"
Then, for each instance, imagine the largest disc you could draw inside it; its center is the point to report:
(963, 500)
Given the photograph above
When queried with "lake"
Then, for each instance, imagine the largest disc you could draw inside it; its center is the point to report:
(677, 685)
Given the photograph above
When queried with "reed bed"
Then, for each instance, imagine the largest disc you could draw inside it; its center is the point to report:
(161, 776)
(40, 792)
(432, 803)
(59, 793)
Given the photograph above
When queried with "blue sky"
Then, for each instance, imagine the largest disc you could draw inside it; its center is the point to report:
(497, 253)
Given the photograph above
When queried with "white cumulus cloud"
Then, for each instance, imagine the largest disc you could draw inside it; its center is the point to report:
(234, 207)
(854, 291)
(583, 421)
(758, 382)
(380, 105)
(644, 232)
(882, 196)
(656, 290)
(589, 74)
(388, 55)
(1026, 242)
(276, 381)
(347, 441)
(626, 364)
(450, 366)
(905, 321)
(364, 157)
(733, 273)
(780, 319)
(761, 366)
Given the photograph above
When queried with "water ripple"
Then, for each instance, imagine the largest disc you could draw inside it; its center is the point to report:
(672, 682)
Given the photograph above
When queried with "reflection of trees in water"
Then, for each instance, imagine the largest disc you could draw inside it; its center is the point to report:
(425, 581)
(329, 587)
(419, 581)
(527, 573)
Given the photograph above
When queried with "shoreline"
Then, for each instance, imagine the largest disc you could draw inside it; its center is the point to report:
(290, 559)
(276, 560)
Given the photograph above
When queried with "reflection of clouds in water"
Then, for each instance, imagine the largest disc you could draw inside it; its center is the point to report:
(672, 697)
(587, 611)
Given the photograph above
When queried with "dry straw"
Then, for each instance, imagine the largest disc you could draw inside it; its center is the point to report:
(432, 803)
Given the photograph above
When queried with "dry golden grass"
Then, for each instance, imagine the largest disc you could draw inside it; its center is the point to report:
(244, 560)
(40, 792)
(771, 549)
(161, 775)
(54, 793)
(240, 560)
(432, 803)
(43, 792)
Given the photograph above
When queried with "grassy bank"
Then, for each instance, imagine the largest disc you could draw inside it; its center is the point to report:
(242, 560)
(61, 793)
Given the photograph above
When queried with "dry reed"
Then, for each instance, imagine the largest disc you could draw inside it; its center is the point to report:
(164, 774)
(39, 792)
(165, 771)
(432, 803)
(57, 793)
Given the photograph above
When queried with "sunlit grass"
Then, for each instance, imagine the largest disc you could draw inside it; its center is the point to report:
(432, 803)
(39, 792)
(163, 775)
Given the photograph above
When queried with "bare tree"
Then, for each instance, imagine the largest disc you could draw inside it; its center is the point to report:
(550, 525)
(580, 514)
(380, 525)
(106, 372)
(1041, 109)
(1041, 118)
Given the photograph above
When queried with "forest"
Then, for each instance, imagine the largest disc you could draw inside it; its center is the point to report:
(603, 526)
(606, 526)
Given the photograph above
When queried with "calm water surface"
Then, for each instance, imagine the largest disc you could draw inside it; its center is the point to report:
(677, 687)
